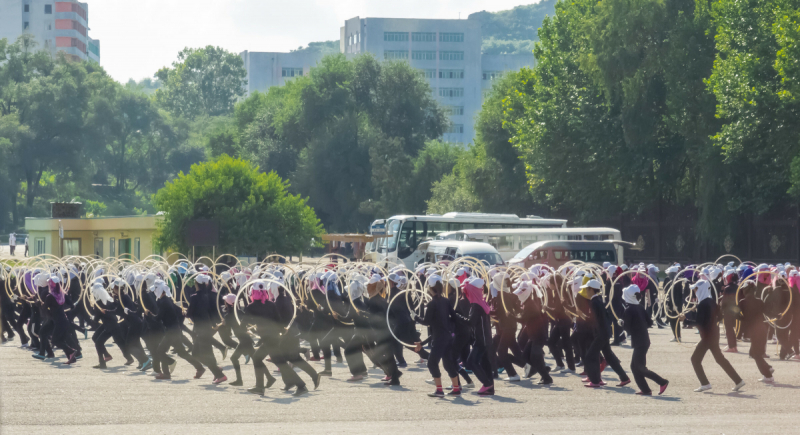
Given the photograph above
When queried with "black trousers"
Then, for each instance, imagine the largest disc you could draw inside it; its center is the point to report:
(534, 354)
(478, 362)
(290, 352)
(101, 336)
(172, 338)
(700, 352)
(507, 342)
(440, 352)
(758, 348)
(675, 326)
(592, 360)
(640, 371)
(353, 354)
(245, 347)
(203, 349)
(730, 330)
(560, 344)
(133, 341)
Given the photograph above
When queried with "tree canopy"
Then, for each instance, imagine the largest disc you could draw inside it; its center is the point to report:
(255, 210)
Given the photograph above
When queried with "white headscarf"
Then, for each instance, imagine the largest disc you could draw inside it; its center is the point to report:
(702, 288)
(100, 294)
(160, 287)
(629, 294)
(433, 279)
(524, 290)
(356, 289)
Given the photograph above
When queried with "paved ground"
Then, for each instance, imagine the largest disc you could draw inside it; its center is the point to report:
(46, 397)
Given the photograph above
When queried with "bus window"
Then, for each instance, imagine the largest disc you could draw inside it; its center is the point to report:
(561, 255)
(540, 255)
(504, 243)
(593, 256)
(430, 257)
(460, 226)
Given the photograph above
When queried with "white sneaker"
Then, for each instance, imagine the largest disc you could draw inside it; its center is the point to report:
(767, 380)
(674, 340)
(738, 386)
(513, 378)
(430, 381)
(702, 388)
(470, 385)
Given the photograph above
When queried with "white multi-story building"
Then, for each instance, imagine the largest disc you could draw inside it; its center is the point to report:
(447, 53)
(56, 26)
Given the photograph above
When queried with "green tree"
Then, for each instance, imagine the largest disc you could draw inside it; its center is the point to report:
(203, 81)
(255, 211)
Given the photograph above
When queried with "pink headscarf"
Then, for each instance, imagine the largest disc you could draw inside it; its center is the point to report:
(640, 280)
(475, 294)
(764, 278)
(55, 290)
(794, 280)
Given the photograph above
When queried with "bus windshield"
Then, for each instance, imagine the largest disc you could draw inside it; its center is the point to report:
(393, 231)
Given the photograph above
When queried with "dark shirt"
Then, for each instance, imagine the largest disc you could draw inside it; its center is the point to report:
(265, 318)
(479, 324)
(599, 314)
(636, 323)
(439, 316)
(168, 313)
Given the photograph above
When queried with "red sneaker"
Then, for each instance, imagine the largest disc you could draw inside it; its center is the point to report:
(107, 358)
(586, 379)
(663, 388)
(313, 358)
(591, 385)
(624, 383)
(199, 373)
(223, 378)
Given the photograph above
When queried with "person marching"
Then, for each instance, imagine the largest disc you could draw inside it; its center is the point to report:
(707, 322)
(170, 318)
(600, 342)
(636, 322)
(201, 310)
(439, 316)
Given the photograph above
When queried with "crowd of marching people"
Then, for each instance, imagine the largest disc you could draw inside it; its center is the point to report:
(464, 317)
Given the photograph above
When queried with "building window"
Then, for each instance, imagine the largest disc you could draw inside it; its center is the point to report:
(423, 36)
(451, 74)
(112, 247)
(454, 110)
(451, 92)
(395, 54)
(26, 8)
(451, 55)
(492, 75)
(48, 9)
(98, 247)
(70, 247)
(455, 128)
(137, 248)
(428, 73)
(423, 55)
(451, 37)
(49, 27)
(395, 36)
(25, 25)
(291, 72)
(38, 247)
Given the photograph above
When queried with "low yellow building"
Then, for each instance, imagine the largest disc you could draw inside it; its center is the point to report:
(102, 237)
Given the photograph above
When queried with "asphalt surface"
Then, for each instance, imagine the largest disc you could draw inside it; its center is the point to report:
(50, 398)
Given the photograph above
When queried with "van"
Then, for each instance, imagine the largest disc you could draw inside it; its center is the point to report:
(449, 250)
(556, 253)
(509, 242)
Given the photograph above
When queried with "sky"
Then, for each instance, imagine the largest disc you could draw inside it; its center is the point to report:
(139, 38)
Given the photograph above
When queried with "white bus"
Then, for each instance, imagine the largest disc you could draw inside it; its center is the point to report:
(509, 242)
(406, 232)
